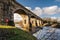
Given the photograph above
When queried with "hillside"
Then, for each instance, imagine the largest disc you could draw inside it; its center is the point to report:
(14, 34)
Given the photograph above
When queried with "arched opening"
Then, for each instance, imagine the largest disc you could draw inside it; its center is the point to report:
(21, 19)
(17, 19)
(33, 23)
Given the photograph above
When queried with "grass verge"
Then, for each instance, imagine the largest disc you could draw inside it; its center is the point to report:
(15, 34)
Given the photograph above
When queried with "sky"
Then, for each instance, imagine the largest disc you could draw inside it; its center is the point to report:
(17, 17)
(43, 8)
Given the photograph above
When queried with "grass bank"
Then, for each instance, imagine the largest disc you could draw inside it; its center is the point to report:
(12, 33)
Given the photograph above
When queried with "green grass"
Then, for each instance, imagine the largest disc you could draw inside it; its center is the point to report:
(22, 35)
(16, 34)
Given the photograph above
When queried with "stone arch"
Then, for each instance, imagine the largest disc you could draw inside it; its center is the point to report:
(19, 10)
(25, 19)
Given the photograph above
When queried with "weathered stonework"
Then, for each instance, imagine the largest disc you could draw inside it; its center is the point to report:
(9, 7)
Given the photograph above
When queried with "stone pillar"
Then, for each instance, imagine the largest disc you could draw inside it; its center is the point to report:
(41, 23)
(30, 24)
(38, 23)
(25, 22)
(33, 21)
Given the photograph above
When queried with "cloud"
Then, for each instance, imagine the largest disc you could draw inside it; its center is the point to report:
(58, 19)
(50, 10)
(58, 10)
(37, 11)
(57, 0)
(29, 8)
(54, 17)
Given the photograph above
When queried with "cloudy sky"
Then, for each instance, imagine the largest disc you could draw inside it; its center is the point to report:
(43, 8)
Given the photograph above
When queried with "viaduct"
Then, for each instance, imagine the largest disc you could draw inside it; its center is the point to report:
(9, 7)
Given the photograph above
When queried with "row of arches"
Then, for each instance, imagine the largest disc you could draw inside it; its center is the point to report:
(25, 21)
(19, 16)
